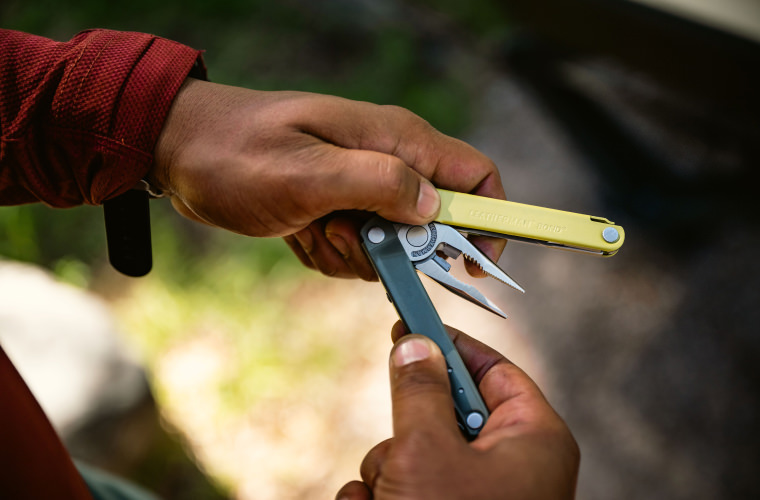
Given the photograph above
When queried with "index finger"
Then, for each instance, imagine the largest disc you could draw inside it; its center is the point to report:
(499, 380)
(448, 162)
(455, 165)
(514, 399)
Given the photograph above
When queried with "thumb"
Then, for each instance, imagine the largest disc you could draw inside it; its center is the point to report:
(355, 490)
(385, 184)
(420, 391)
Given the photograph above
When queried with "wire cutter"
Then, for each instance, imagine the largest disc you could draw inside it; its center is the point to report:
(397, 251)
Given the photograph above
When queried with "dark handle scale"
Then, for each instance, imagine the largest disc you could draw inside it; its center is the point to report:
(127, 219)
(418, 314)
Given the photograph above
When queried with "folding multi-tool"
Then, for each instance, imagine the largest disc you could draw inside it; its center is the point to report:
(397, 251)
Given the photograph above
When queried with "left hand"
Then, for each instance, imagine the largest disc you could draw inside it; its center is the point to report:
(303, 165)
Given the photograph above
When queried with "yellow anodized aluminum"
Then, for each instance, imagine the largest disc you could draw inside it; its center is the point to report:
(538, 224)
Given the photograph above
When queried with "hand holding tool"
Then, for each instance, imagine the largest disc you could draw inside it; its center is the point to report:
(398, 250)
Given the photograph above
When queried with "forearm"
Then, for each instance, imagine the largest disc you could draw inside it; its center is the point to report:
(79, 119)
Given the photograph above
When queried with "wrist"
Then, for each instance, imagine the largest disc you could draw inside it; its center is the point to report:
(159, 178)
(151, 189)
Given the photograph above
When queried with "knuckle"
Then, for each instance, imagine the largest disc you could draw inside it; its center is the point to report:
(395, 111)
(571, 446)
(408, 118)
(563, 440)
(417, 441)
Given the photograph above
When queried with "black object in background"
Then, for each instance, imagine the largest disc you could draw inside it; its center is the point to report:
(127, 219)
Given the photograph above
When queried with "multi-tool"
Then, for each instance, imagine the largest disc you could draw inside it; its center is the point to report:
(397, 251)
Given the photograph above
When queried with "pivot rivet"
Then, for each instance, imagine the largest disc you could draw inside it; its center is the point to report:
(376, 235)
(610, 235)
(475, 420)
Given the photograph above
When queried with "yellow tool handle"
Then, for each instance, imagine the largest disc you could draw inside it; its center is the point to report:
(539, 224)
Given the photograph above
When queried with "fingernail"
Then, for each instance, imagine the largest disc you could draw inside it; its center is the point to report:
(339, 243)
(411, 350)
(428, 201)
(306, 239)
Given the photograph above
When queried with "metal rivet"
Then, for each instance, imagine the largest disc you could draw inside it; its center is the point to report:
(376, 234)
(610, 235)
(417, 236)
(475, 420)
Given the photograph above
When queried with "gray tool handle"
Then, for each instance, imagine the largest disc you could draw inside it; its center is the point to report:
(418, 314)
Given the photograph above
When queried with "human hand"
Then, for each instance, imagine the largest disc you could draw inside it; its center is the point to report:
(525, 450)
(302, 165)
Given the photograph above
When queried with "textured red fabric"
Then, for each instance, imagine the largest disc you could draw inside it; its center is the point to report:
(33, 461)
(79, 119)
(78, 124)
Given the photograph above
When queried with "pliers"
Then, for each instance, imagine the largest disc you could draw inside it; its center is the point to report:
(397, 251)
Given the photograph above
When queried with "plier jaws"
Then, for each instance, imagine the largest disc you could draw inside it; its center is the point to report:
(427, 248)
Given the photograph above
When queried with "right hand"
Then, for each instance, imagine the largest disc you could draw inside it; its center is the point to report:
(525, 450)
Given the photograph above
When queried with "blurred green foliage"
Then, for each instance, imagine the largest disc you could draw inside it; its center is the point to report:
(388, 52)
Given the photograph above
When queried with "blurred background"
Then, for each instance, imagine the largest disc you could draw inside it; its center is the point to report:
(232, 372)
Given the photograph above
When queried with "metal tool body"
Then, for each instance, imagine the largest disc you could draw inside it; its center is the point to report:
(405, 291)
(398, 251)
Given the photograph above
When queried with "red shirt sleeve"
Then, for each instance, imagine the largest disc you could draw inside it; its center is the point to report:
(33, 460)
(79, 119)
